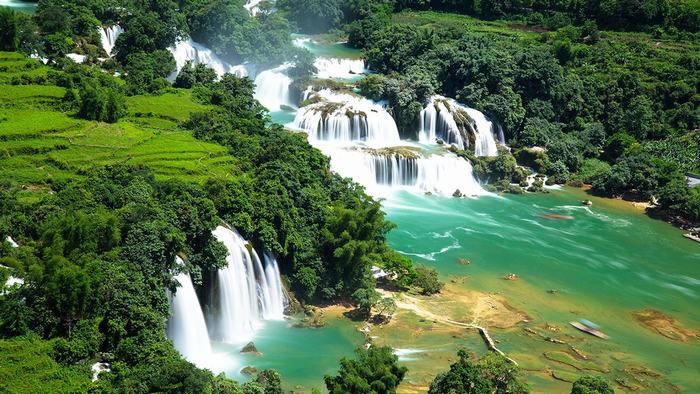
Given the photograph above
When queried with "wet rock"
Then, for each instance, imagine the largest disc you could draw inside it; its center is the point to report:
(250, 349)
(457, 193)
(249, 371)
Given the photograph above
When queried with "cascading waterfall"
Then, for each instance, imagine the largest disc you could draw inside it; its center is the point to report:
(328, 68)
(188, 50)
(272, 89)
(252, 6)
(275, 300)
(186, 326)
(437, 121)
(108, 37)
(245, 293)
(380, 173)
(484, 142)
(342, 117)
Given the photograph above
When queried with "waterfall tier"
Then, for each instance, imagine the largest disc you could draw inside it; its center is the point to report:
(253, 6)
(245, 292)
(339, 68)
(343, 117)
(108, 37)
(441, 174)
(272, 89)
(458, 125)
(186, 326)
(196, 53)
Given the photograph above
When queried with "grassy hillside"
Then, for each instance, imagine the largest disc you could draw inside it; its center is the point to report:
(27, 367)
(40, 143)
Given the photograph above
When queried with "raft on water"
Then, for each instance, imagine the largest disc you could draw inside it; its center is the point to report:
(589, 328)
(692, 236)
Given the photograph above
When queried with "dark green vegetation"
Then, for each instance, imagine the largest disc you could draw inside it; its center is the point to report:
(591, 385)
(490, 374)
(617, 110)
(373, 371)
(106, 179)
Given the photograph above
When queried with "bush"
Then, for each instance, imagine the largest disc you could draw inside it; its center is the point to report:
(591, 385)
(101, 103)
(374, 370)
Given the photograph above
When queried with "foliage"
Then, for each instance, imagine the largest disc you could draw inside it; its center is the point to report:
(591, 385)
(313, 16)
(374, 370)
(492, 373)
(103, 104)
(427, 280)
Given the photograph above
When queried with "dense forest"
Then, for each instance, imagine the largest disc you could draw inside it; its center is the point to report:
(97, 241)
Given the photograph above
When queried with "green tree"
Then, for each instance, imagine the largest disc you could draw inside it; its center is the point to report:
(427, 280)
(374, 370)
(591, 385)
(493, 373)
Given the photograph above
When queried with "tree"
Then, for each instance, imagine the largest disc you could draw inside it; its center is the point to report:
(365, 298)
(374, 370)
(427, 280)
(101, 103)
(492, 374)
(591, 385)
(386, 307)
(190, 76)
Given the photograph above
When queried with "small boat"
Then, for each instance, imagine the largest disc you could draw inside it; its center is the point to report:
(589, 328)
(556, 216)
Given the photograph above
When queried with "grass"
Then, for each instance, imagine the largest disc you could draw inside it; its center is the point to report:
(26, 366)
(442, 19)
(39, 143)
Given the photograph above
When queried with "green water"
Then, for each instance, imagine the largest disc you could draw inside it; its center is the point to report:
(26, 6)
(302, 356)
(321, 49)
(605, 262)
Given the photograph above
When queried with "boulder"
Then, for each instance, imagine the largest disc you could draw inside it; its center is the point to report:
(249, 370)
(250, 349)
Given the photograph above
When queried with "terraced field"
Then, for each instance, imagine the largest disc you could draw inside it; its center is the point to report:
(40, 143)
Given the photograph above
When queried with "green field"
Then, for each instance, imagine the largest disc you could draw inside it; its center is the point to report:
(28, 367)
(40, 143)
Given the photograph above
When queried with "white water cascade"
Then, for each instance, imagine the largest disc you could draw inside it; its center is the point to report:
(253, 6)
(186, 326)
(188, 50)
(446, 119)
(421, 173)
(272, 89)
(245, 293)
(108, 37)
(274, 300)
(328, 68)
(341, 117)
(484, 142)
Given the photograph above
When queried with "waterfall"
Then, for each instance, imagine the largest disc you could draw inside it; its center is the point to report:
(272, 89)
(339, 68)
(189, 50)
(437, 121)
(252, 6)
(344, 117)
(274, 299)
(186, 326)
(245, 292)
(441, 174)
(484, 144)
(108, 37)
(446, 119)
